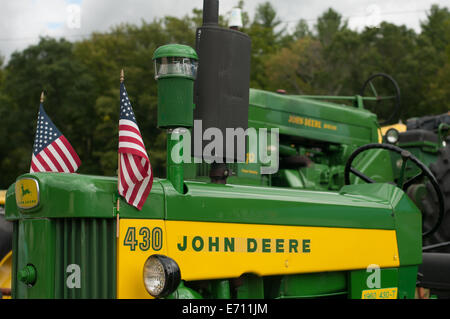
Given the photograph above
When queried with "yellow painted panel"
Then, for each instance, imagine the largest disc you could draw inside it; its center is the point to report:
(279, 249)
(5, 272)
(382, 131)
(2, 197)
(130, 260)
(207, 250)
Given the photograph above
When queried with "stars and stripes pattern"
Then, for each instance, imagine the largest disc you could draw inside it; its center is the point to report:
(52, 152)
(135, 171)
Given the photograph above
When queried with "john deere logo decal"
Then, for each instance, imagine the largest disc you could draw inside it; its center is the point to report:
(27, 193)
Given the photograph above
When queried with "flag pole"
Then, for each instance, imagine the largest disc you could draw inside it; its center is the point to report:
(42, 97)
(122, 78)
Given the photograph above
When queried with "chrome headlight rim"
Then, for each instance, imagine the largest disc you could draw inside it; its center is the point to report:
(392, 136)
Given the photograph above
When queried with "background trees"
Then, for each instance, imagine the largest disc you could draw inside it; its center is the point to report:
(81, 79)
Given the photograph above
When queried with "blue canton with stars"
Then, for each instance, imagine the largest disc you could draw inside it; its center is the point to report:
(46, 132)
(126, 111)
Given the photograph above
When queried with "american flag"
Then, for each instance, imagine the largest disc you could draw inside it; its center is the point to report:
(135, 170)
(52, 152)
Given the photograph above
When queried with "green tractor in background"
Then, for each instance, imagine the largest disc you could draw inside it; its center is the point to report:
(317, 152)
(335, 214)
(428, 139)
(327, 142)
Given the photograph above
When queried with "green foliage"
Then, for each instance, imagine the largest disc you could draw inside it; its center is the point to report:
(302, 30)
(267, 39)
(51, 67)
(436, 27)
(296, 67)
(81, 79)
(328, 25)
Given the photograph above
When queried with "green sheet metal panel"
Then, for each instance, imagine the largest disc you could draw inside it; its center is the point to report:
(210, 202)
(318, 120)
(278, 206)
(376, 164)
(59, 248)
(313, 285)
(75, 195)
(36, 240)
(407, 277)
(361, 280)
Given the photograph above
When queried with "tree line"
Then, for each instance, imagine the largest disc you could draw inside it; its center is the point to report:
(81, 79)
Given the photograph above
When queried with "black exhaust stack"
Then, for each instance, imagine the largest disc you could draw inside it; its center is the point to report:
(210, 12)
(221, 92)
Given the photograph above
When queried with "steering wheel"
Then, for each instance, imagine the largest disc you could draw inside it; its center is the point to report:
(424, 172)
(374, 99)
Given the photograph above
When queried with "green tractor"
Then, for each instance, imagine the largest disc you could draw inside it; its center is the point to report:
(307, 204)
(428, 139)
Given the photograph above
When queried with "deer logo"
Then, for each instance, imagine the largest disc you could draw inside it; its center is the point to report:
(25, 191)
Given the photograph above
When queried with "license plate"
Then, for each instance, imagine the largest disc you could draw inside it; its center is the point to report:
(383, 293)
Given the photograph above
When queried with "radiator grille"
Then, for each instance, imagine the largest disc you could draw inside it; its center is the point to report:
(91, 244)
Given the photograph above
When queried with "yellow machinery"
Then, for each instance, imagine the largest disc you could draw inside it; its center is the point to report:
(5, 263)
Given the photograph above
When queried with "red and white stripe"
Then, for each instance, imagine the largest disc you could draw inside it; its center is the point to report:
(136, 176)
(59, 156)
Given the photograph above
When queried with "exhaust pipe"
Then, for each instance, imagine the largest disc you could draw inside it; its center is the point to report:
(221, 90)
(210, 12)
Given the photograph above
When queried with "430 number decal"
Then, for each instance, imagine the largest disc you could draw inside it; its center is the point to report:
(144, 238)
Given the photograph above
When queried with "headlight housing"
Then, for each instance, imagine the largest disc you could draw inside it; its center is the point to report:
(161, 275)
(392, 136)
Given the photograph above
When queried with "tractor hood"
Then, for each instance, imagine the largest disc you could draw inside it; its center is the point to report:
(61, 195)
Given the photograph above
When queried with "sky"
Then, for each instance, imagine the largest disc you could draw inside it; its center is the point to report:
(23, 21)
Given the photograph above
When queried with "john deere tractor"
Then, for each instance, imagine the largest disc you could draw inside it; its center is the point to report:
(428, 139)
(325, 212)
(5, 250)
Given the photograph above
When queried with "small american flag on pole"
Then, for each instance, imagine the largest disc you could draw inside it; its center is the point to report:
(135, 170)
(52, 152)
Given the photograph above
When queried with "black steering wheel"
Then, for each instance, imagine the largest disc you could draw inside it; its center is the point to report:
(404, 185)
(388, 93)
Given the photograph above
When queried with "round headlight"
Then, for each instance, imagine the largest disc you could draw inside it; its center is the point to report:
(392, 136)
(161, 275)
